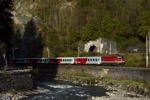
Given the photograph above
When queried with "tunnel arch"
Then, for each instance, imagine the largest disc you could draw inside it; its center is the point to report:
(93, 48)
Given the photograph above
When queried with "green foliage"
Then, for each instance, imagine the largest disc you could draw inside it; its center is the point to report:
(68, 54)
(130, 61)
(143, 30)
(144, 23)
(83, 3)
(12, 91)
(134, 60)
(128, 82)
(89, 32)
(111, 27)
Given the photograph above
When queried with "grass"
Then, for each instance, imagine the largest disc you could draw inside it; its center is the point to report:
(12, 91)
(129, 82)
(125, 82)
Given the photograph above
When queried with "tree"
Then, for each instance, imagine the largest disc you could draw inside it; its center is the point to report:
(89, 32)
(144, 24)
(111, 27)
(6, 23)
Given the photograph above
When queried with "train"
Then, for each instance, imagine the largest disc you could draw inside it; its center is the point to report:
(98, 60)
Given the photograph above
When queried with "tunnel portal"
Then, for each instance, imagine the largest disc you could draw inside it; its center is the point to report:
(93, 49)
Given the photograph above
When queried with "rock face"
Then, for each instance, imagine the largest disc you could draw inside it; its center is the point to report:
(25, 25)
(23, 13)
(2, 61)
(18, 80)
(99, 45)
(35, 17)
(2, 57)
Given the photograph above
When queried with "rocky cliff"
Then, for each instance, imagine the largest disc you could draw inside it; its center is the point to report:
(31, 16)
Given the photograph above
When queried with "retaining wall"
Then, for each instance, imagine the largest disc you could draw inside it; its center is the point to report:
(18, 80)
(120, 73)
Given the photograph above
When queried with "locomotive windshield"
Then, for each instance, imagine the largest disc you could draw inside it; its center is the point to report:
(120, 57)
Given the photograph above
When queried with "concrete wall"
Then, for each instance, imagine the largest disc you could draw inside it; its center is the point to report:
(119, 73)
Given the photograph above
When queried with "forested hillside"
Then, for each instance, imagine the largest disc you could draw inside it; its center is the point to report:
(63, 24)
(78, 21)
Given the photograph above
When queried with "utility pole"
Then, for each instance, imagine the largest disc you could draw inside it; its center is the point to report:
(110, 49)
(47, 52)
(147, 51)
(149, 40)
(78, 51)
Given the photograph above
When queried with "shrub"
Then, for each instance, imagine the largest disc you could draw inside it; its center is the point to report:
(12, 91)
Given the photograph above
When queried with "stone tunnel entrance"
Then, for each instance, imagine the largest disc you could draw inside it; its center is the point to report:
(93, 49)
